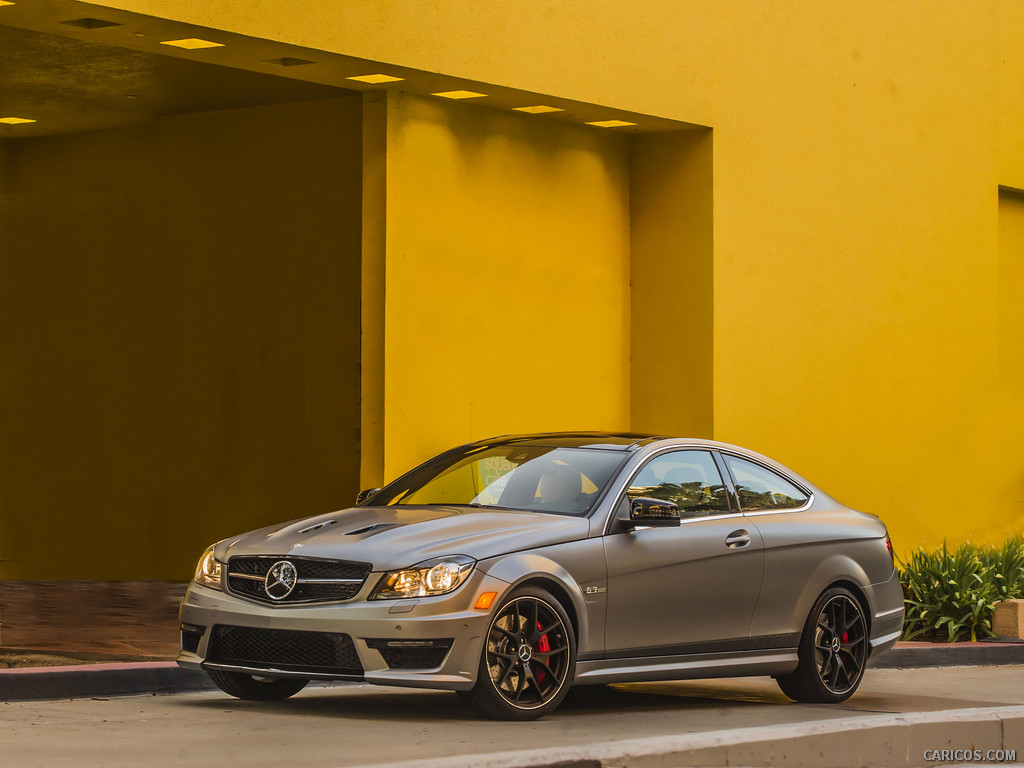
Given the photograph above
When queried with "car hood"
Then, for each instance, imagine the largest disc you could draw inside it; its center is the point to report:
(397, 537)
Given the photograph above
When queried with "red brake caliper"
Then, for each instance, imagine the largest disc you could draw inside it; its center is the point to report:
(543, 646)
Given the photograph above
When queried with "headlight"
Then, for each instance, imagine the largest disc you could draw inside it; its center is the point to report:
(209, 569)
(433, 577)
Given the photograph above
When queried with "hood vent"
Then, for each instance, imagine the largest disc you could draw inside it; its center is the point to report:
(375, 528)
(317, 526)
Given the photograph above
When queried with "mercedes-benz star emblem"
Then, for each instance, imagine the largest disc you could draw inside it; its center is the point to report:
(281, 580)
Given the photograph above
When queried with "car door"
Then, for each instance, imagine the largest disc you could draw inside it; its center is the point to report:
(685, 589)
(796, 542)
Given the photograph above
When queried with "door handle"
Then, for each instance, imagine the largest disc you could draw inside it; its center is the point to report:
(737, 539)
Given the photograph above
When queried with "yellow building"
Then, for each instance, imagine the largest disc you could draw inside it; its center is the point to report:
(255, 256)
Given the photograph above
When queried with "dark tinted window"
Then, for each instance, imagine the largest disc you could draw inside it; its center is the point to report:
(690, 479)
(760, 488)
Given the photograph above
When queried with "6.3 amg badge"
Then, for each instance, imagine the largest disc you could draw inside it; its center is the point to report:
(281, 580)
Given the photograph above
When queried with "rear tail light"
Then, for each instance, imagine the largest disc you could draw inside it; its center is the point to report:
(892, 555)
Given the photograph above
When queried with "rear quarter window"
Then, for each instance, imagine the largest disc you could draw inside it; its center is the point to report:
(760, 488)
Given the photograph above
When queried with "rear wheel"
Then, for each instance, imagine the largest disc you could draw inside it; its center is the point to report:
(256, 687)
(528, 660)
(833, 650)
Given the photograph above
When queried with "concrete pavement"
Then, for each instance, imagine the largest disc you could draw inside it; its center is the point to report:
(899, 717)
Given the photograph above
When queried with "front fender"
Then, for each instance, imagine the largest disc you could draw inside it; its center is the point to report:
(534, 568)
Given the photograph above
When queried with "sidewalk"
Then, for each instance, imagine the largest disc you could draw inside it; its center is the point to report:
(62, 623)
(79, 639)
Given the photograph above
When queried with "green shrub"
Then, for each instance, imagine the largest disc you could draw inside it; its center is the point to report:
(950, 595)
(1007, 566)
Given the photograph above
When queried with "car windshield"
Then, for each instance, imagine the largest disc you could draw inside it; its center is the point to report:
(564, 481)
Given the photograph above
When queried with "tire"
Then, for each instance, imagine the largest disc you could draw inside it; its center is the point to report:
(528, 660)
(833, 650)
(256, 687)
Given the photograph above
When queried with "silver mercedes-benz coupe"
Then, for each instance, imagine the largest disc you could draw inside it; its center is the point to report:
(511, 569)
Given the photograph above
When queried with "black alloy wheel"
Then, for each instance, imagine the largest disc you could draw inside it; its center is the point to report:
(840, 642)
(833, 650)
(528, 659)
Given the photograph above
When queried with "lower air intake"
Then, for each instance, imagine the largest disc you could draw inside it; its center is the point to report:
(284, 649)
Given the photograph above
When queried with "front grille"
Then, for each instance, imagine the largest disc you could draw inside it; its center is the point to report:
(284, 649)
(319, 580)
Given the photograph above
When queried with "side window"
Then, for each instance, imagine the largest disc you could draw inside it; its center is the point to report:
(690, 479)
(760, 488)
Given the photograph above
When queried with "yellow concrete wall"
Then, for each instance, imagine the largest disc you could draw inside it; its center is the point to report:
(858, 150)
(373, 289)
(1011, 292)
(672, 283)
(1008, 54)
(179, 356)
(1007, 426)
(507, 288)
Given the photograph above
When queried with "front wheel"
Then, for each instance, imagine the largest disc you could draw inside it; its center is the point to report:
(256, 687)
(833, 650)
(528, 660)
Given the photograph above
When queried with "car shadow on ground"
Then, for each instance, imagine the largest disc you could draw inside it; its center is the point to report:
(369, 702)
(375, 703)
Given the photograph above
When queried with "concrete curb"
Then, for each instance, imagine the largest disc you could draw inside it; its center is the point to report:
(889, 741)
(91, 680)
(909, 655)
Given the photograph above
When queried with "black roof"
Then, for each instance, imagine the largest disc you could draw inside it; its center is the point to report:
(623, 441)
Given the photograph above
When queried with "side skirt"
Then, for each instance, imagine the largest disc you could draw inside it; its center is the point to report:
(779, 661)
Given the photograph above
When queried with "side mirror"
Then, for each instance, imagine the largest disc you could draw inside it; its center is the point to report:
(653, 512)
(365, 494)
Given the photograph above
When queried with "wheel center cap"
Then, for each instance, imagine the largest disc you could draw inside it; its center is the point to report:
(836, 645)
(525, 652)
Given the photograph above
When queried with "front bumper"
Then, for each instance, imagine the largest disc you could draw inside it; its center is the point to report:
(380, 630)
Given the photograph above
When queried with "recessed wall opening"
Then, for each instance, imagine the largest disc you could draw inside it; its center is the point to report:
(180, 299)
(1011, 287)
(236, 298)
